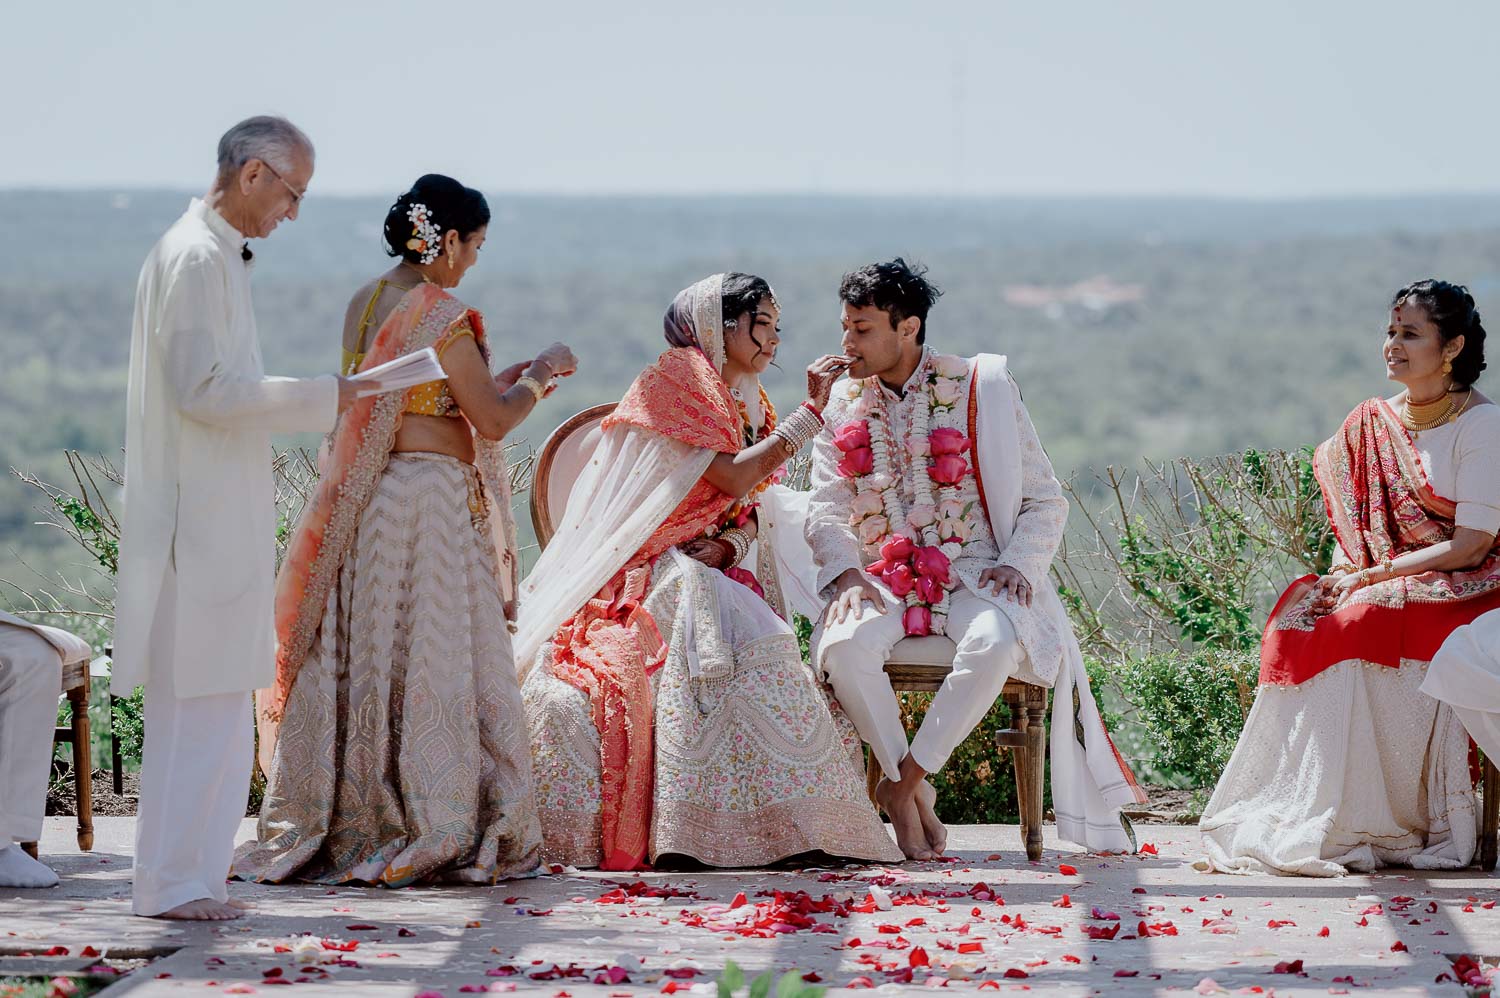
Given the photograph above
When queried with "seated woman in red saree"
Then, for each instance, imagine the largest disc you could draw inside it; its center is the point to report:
(1344, 764)
(393, 740)
(670, 710)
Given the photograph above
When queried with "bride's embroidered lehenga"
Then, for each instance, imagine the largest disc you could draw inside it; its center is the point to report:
(394, 738)
(669, 706)
(1343, 763)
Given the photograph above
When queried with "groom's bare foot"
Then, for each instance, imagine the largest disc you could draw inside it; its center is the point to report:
(934, 830)
(204, 910)
(901, 808)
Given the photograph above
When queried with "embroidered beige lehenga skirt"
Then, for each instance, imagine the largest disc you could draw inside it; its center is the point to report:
(753, 762)
(403, 755)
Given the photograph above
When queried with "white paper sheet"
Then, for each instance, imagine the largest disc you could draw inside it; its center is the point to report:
(404, 372)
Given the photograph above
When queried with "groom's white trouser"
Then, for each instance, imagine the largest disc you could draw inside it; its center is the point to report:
(854, 653)
(30, 679)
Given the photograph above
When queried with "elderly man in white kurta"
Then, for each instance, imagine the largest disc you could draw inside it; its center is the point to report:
(194, 603)
(31, 663)
(934, 502)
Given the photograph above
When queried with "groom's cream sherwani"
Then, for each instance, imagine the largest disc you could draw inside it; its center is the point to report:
(996, 637)
(194, 603)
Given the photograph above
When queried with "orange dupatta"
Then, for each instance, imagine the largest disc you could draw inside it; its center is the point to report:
(611, 646)
(360, 448)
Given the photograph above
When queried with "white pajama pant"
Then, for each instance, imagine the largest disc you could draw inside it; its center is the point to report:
(195, 779)
(854, 652)
(30, 680)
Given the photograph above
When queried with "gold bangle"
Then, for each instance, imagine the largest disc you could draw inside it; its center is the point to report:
(532, 385)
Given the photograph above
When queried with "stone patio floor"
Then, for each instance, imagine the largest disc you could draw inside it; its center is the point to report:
(987, 921)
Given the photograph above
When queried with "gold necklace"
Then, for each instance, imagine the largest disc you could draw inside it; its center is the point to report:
(1422, 416)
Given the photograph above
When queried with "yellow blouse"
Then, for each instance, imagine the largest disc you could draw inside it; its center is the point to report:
(431, 399)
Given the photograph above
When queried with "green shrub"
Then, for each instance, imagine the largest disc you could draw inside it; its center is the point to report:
(1192, 706)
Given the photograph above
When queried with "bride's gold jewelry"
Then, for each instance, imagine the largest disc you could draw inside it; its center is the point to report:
(1447, 367)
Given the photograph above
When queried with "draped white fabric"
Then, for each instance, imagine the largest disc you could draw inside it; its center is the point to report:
(1465, 673)
(633, 482)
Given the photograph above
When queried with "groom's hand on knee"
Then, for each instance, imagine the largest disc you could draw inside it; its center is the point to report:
(1004, 579)
(852, 592)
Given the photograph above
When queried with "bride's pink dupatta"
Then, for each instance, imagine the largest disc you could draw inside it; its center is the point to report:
(360, 448)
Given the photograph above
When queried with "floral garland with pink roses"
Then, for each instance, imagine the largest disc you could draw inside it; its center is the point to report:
(917, 546)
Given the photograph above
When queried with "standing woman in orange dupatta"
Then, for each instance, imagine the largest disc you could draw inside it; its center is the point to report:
(1344, 764)
(394, 740)
(670, 710)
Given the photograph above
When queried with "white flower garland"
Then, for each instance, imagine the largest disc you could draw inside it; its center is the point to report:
(937, 408)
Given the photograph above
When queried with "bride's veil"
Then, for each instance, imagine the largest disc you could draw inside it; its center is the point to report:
(634, 479)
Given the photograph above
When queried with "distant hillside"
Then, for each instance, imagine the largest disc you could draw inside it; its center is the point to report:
(1135, 327)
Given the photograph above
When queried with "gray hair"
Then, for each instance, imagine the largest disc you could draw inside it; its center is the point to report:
(265, 137)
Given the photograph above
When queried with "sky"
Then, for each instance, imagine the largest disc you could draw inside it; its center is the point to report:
(1259, 98)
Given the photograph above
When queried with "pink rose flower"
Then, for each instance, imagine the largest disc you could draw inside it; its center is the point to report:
(921, 516)
(952, 509)
(852, 436)
(900, 578)
(917, 621)
(929, 590)
(898, 549)
(949, 469)
(955, 529)
(860, 461)
(866, 504)
(947, 391)
(881, 481)
(873, 528)
(878, 567)
(947, 440)
(918, 446)
(948, 366)
(747, 579)
(931, 562)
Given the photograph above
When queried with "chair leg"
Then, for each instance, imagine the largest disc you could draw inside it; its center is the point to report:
(83, 766)
(1487, 838)
(117, 771)
(1030, 764)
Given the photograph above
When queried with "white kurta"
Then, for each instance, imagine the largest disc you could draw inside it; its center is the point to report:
(1355, 768)
(199, 493)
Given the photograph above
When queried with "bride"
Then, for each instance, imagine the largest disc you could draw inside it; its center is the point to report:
(670, 711)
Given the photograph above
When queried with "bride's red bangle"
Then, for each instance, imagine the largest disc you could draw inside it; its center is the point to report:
(813, 410)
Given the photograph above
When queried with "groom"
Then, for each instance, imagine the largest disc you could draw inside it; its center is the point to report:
(935, 511)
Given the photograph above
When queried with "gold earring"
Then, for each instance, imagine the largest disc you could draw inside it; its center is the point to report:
(1447, 367)
(450, 259)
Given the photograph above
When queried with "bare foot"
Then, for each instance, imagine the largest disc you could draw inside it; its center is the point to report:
(905, 819)
(203, 910)
(935, 831)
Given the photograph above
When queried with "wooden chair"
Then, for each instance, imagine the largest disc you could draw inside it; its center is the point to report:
(1490, 809)
(918, 665)
(75, 683)
(564, 454)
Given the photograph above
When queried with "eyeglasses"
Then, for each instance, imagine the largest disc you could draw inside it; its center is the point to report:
(296, 195)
